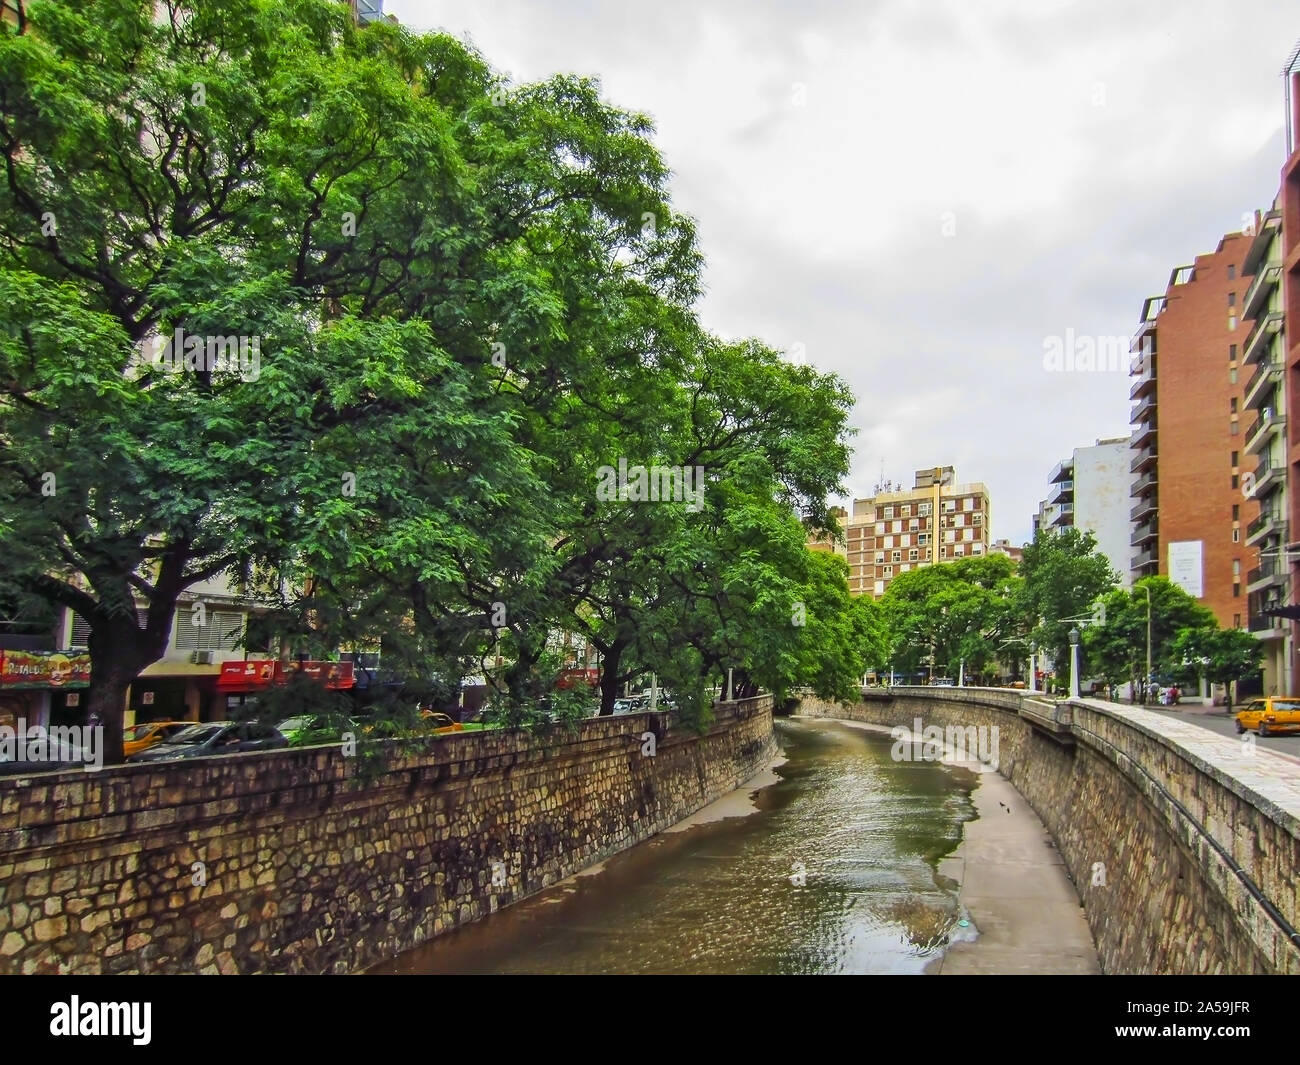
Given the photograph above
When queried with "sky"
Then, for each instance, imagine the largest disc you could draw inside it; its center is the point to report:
(927, 196)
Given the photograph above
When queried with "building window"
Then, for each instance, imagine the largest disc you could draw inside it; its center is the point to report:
(1236, 621)
(1232, 322)
(1236, 536)
(1232, 427)
(949, 505)
(923, 539)
(880, 528)
(914, 523)
(222, 630)
(897, 556)
(959, 550)
(880, 558)
(1232, 408)
(888, 571)
(889, 512)
(880, 587)
(1236, 508)
(978, 519)
(1236, 590)
(923, 510)
(905, 510)
(1232, 352)
(913, 555)
(1234, 466)
(1232, 299)
(1234, 477)
(1232, 377)
(1232, 272)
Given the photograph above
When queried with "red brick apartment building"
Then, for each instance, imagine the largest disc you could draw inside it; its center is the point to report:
(1194, 436)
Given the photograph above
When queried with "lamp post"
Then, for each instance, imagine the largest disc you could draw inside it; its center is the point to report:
(1033, 667)
(1074, 663)
(1146, 685)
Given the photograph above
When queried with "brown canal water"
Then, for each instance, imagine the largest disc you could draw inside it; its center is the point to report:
(835, 871)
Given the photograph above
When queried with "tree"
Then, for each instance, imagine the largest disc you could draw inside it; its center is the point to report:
(1221, 656)
(958, 613)
(1063, 575)
(1116, 648)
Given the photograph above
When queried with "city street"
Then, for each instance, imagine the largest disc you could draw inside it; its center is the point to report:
(1218, 721)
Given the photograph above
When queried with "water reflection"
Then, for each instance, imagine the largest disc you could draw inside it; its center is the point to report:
(836, 873)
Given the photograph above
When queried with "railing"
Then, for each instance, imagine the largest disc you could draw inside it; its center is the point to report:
(1266, 277)
(1268, 322)
(1267, 368)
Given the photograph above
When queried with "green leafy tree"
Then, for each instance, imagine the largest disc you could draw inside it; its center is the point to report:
(1221, 656)
(1116, 648)
(959, 613)
(1062, 577)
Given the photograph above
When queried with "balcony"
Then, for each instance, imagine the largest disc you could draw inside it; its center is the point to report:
(1146, 508)
(1266, 326)
(1268, 478)
(1270, 572)
(1144, 459)
(1143, 434)
(1269, 523)
(1143, 484)
(1268, 227)
(1266, 623)
(1062, 492)
(1145, 533)
(1062, 471)
(1144, 409)
(1259, 391)
(1064, 516)
(1146, 560)
(1146, 379)
(1265, 281)
(1263, 428)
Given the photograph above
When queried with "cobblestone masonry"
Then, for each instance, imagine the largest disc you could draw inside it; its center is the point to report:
(1144, 809)
(307, 869)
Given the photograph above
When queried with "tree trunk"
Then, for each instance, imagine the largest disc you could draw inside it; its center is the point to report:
(107, 702)
(609, 678)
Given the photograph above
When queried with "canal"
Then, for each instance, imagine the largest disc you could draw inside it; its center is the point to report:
(832, 869)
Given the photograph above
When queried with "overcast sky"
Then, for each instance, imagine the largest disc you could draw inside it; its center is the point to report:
(922, 193)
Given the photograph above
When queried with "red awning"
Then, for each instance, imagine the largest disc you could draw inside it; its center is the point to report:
(256, 676)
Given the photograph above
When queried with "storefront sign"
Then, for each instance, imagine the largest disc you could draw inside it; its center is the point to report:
(48, 670)
(257, 676)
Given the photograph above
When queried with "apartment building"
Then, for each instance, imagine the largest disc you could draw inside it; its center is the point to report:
(1090, 491)
(897, 530)
(1268, 583)
(822, 541)
(1193, 437)
(1005, 547)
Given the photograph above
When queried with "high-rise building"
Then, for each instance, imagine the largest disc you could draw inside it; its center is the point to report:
(896, 530)
(1266, 393)
(1194, 438)
(1005, 547)
(1090, 491)
(819, 540)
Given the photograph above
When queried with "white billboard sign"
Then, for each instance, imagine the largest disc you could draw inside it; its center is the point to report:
(1186, 568)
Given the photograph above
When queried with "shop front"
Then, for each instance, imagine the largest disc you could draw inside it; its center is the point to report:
(43, 687)
(240, 683)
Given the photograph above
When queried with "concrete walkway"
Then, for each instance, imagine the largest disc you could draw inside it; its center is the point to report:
(1016, 892)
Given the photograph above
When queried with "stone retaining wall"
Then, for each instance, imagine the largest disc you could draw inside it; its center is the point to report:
(1165, 828)
(285, 861)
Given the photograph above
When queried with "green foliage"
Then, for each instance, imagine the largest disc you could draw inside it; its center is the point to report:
(461, 316)
(1117, 649)
(958, 612)
(1221, 656)
(1062, 577)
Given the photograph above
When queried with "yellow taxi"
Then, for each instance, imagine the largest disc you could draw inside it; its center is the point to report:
(1269, 716)
(440, 724)
(137, 738)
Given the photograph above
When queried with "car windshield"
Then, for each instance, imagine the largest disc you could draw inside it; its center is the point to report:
(293, 724)
(137, 732)
(196, 734)
(1286, 704)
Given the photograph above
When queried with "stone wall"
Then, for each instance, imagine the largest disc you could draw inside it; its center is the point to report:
(1184, 847)
(287, 861)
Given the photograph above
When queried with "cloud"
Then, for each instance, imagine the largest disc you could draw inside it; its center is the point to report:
(1082, 149)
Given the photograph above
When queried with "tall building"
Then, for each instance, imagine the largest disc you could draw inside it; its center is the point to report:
(896, 529)
(1090, 491)
(1267, 584)
(822, 541)
(1193, 436)
(1005, 547)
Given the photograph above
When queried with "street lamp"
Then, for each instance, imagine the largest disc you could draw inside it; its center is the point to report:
(1074, 663)
(1033, 666)
(1146, 687)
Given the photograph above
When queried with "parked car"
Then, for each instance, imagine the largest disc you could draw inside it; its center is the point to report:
(213, 738)
(60, 755)
(440, 724)
(1269, 716)
(942, 682)
(141, 737)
